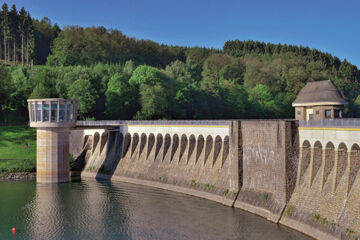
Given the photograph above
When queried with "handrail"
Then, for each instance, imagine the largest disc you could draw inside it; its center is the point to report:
(332, 123)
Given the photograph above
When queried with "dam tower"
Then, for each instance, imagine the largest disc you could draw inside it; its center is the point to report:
(53, 118)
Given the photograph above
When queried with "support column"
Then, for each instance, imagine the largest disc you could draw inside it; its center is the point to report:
(336, 171)
(348, 170)
(299, 166)
(52, 150)
(236, 156)
(311, 166)
(323, 164)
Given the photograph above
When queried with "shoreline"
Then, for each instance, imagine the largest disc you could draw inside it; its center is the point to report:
(18, 176)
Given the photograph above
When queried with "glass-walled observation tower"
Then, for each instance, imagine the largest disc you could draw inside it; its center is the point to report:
(53, 118)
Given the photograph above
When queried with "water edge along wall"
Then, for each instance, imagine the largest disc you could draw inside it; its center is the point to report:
(249, 164)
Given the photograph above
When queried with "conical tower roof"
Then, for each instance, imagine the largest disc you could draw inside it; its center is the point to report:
(319, 93)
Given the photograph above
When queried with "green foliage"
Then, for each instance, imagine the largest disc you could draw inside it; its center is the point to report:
(233, 72)
(72, 162)
(153, 101)
(155, 93)
(45, 80)
(209, 186)
(118, 77)
(4, 85)
(121, 98)
(225, 192)
(91, 169)
(266, 196)
(129, 67)
(324, 221)
(262, 101)
(211, 72)
(289, 211)
(83, 91)
(146, 75)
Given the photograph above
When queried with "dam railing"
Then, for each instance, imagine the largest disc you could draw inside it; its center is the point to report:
(332, 123)
(150, 122)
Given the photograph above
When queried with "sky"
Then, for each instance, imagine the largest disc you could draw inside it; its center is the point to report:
(331, 26)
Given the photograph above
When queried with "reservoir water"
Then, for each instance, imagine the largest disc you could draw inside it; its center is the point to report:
(107, 210)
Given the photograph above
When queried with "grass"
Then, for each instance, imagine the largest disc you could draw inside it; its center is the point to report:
(209, 186)
(289, 211)
(91, 169)
(17, 149)
(266, 196)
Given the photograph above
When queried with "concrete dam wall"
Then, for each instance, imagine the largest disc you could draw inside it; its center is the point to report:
(195, 158)
(249, 164)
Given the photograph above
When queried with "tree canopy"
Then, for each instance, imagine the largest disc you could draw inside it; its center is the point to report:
(119, 77)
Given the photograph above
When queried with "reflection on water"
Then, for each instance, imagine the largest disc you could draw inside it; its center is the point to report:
(104, 210)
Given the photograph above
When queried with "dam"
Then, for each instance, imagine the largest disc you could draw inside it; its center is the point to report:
(301, 173)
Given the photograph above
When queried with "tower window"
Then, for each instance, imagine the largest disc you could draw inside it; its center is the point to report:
(327, 113)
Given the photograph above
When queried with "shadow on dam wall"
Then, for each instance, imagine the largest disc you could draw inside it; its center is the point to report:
(247, 164)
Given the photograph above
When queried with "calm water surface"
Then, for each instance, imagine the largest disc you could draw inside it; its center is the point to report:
(104, 210)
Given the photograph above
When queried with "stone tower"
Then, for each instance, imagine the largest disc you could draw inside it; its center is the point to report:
(318, 101)
(53, 119)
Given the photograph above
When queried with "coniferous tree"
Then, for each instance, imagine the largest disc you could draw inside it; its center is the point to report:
(5, 27)
(14, 21)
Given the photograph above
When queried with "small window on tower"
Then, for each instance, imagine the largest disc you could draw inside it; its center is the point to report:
(328, 113)
(317, 112)
(298, 113)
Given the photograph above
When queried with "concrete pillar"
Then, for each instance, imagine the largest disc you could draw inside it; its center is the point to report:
(236, 156)
(323, 164)
(336, 165)
(52, 155)
(348, 170)
(312, 163)
(299, 166)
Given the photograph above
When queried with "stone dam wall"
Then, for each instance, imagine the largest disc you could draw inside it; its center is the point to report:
(248, 164)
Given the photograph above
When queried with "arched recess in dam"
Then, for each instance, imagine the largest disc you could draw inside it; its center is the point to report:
(151, 143)
(354, 165)
(305, 156)
(192, 145)
(340, 164)
(328, 162)
(316, 160)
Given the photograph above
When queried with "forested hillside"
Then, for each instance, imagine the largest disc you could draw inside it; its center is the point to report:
(118, 77)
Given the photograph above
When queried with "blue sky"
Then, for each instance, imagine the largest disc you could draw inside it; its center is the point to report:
(330, 26)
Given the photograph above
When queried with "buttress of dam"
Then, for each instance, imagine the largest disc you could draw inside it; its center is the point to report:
(167, 149)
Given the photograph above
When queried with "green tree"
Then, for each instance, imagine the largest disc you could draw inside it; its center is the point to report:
(211, 71)
(263, 103)
(129, 67)
(233, 72)
(6, 29)
(83, 91)
(21, 88)
(156, 92)
(5, 79)
(44, 79)
(121, 98)
(146, 75)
